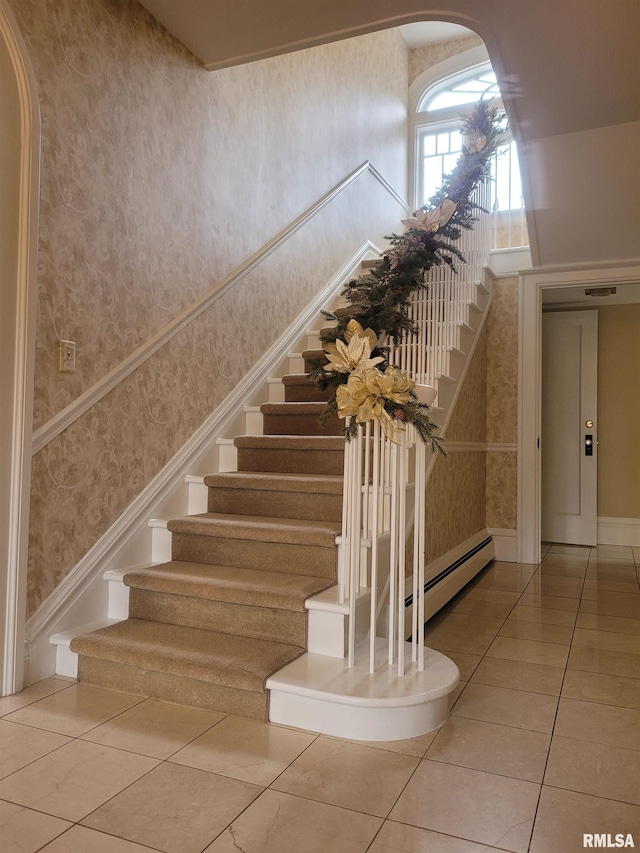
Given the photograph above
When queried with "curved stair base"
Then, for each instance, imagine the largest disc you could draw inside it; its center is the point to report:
(322, 694)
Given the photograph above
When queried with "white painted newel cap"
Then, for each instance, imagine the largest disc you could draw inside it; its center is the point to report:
(425, 393)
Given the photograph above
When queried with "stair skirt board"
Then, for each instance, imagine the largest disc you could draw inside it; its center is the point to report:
(322, 694)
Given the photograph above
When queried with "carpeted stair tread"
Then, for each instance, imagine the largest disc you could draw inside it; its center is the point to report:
(320, 484)
(300, 387)
(192, 653)
(229, 584)
(290, 442)
(300, 407)
(257, 528)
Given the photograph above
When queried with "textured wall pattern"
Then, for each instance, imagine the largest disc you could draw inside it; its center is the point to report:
(502, 363)
(502, 471)
(456, 490)
(422, 58)
(455, 502)
(502, 403)
(158, 178)
(469, 418)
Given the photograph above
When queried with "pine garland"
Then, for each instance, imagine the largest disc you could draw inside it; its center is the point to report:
(380, 300)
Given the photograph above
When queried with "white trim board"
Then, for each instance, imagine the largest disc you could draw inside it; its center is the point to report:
(531, 286)
(619, 531)
(81, 597)
(505, 544)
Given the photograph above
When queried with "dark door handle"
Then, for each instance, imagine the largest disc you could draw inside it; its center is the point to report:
(588, 445)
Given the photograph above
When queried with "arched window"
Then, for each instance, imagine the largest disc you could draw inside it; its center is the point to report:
(439, 96)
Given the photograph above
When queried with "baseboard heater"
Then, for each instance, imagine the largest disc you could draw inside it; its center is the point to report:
(445, 573)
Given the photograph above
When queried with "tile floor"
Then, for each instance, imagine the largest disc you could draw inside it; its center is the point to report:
(542, 745)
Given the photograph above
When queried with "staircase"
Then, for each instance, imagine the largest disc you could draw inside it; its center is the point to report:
(245, 617)
(209, 627)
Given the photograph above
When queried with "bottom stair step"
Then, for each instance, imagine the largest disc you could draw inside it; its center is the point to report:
(220, 672)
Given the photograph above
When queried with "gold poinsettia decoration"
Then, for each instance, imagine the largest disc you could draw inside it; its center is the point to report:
(366, 393)
(432, 220)
(355, 355)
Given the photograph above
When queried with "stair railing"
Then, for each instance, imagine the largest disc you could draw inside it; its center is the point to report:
(384, 498)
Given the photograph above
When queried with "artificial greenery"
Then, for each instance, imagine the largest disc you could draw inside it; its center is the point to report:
(379, 301)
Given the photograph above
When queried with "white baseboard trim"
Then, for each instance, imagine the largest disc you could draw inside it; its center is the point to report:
(505, 542)
(619, 531)
(81, 597)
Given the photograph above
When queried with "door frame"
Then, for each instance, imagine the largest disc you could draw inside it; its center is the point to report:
(18, 238)
(532, 283)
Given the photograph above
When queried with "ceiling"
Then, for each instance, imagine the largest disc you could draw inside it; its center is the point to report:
(432, 32)
(569, 72)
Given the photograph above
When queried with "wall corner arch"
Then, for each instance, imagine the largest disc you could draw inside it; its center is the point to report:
(19, 198)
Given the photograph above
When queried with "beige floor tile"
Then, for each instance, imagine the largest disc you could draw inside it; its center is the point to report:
(497, 596)
(598, 723)
(526, 613)
(245, 749)
(614, 550)
(536, 631)
(497, 810)
(459, 632)
(75, 710)
(558, 586)
(529, 651)
(573, 550)
(466, 663)
(174, 809)
(562, 570)
(349, 775)
(154, 728)
(24, 830)
(533, 711)
(477, 607)
(416, 746)
(608, 572)
(612, 604)
(594, 768)
(79, 839)
(503, 579)
(20, 745)
(504, 750)
(516, 675)
(607, 689)
(608, 663)
(594, 585)
(549, 602)
(75, 779)
(32, 694)
(455, 694)
(609, 608)
(608, 641)
(564, 816)
(617, 624)
(279, 823)
(400, 838)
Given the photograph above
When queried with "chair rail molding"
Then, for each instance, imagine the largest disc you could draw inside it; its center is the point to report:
(63, 419)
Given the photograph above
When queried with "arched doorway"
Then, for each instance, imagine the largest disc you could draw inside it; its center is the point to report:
(19, 164)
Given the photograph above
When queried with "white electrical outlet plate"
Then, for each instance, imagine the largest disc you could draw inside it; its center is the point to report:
(67, 356)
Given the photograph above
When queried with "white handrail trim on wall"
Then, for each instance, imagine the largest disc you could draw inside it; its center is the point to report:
(64, 418)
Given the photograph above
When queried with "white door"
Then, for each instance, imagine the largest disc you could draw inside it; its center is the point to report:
(569, 427)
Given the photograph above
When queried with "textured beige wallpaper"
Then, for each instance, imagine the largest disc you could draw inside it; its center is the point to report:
(619, 411)
(502, 362)
(455, 502)
(422, 58)
(158, 178)
(502, 403)
(456, 492)
(469, 419)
